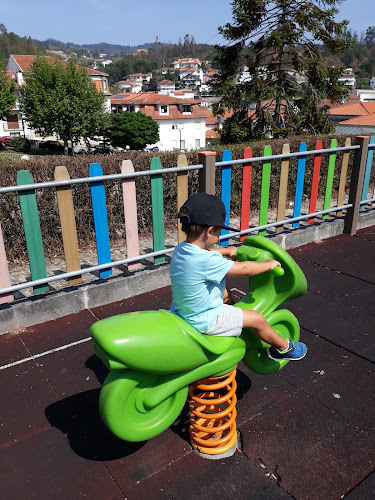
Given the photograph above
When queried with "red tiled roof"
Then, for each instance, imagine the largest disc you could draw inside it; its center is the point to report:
(165, 82)
(354, 109)
(149, 98)
(25, 62)
(366, 120)
(212, 134)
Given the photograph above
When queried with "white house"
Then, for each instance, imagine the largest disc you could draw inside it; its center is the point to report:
(366, 95)
(348, 77)
(18, 67)
(166, 86)
(187, 62)
(182, 123)
(190, 77)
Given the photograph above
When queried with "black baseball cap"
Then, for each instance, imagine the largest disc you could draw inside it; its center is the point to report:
(205, 210)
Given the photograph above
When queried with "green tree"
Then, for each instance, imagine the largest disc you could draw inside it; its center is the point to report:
(277, 41)
(7, 94)
(60, 98)
(135, 130)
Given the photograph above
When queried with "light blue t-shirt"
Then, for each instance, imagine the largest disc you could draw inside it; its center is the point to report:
(198, 284)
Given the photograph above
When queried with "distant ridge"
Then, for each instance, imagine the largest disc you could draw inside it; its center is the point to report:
(107, 48)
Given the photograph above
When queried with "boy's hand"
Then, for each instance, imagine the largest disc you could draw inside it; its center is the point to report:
(231, 252)
(273, 263)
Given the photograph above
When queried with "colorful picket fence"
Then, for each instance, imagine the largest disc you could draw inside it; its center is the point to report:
(29, 209)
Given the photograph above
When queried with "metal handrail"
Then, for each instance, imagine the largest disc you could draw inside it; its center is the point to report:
(286, 155)
(82, 180)
(138, 258)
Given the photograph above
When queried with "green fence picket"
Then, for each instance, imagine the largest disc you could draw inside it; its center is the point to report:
(265, 190)
(157, 209)
(33, 234)
(330, 174)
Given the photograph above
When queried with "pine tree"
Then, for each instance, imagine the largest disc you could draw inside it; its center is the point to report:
(289, 79)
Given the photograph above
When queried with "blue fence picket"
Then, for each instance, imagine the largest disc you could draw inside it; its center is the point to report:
(99, 208)
(226, 179)
(366, 182)
(299, 184)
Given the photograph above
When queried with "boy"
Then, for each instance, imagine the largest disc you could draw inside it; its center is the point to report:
(198, 280)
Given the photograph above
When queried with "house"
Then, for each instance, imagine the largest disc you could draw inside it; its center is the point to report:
(18, 67)
(171, 71)
(187, 62)
(348, 77)
(131, 85)
(182, 123)
(191, 77)
(353, 118)
(366, 95)
(183, 94)
(166, 86)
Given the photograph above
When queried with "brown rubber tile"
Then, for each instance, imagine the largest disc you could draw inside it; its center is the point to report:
(194, 478)
(144, 302)
(365, 490)
(322, 360)
(346, 327)
(344, 253)
(313, 452)
(131, 470)
(12, 348)
(368, 233)
(339, 287)
(43, 466)
(347, 392)
(24, 393)
(73, 370)
(165, 295)
(255, 392)
(62, 331)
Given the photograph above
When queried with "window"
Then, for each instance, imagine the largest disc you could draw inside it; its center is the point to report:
(163, 109)
(186, 108)
(197, 143)
(105, 86)
(182, 144)
(174, 127)
(197, 124)
(131, 108)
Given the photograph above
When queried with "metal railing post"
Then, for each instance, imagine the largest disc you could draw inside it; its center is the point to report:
(207, 173)
(356, 183)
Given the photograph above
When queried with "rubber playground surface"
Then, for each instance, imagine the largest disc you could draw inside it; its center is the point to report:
(306, 432)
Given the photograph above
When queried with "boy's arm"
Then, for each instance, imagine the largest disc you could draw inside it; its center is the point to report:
(226, 251)
(249, 268)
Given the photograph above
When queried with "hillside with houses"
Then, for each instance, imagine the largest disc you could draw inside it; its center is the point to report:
(175, 91)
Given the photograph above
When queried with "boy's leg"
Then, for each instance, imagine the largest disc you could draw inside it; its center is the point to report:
(280, 348)
(256, 321)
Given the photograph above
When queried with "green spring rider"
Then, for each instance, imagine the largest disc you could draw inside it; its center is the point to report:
(153, 356)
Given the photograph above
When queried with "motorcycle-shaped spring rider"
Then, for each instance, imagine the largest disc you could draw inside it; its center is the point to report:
(153, 356)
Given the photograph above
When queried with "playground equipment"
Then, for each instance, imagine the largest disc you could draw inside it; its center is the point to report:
(153, 356)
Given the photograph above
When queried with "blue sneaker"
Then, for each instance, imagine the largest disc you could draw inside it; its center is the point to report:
(295, 351)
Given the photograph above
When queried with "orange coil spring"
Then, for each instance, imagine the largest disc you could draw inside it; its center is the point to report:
(213, 414)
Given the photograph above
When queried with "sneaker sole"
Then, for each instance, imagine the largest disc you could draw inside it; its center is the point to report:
(285, 359)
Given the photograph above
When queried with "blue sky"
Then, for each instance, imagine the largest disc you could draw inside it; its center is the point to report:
(134, 23)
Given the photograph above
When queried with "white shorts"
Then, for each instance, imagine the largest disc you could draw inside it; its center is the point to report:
(228, 323)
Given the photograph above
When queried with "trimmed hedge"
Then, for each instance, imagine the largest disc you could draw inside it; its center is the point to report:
(42, 170)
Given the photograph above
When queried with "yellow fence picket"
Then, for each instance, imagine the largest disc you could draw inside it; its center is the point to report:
(68, 225)
(182, 191)
(283, 187)
(344, 170)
